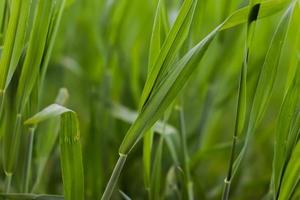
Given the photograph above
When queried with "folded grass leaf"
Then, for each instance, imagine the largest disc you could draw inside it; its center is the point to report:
(70, 148)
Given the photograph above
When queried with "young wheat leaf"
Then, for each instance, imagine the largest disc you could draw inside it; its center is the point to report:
(19, 43)
(286, 133)
(156, 174)
(70, 147)
(291, 177)
(167, 87)
(34, 53)
(171, 45)
(45, 142)
(266, 81)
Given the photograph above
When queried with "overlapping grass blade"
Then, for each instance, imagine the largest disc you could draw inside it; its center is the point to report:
(171, 45)
(286, 134)
(70, 147)
(34, 56)
(154, 51)
(291, 177)
(46, 141)
(242, 93)
(160, 92)
(8, 49)
(266, 81)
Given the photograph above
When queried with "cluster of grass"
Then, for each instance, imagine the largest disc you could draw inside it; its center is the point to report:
(152, 99)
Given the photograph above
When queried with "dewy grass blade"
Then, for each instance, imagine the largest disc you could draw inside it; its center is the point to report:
(70, 147)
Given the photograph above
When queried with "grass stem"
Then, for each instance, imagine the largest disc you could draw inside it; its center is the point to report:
(114, 178)
(29, 158)
(8, 183)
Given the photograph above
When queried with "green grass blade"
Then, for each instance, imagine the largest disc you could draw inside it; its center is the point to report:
(266, 81)
(242, 94)
(291, 177)
(147, 154)
(9, 42)
(171, 45)
(36, 47)
(21, 196)
(286, 135)
(155, 186)
(114, 177)
(71, 157)
(46, 141)
(70, 147)
(160, 92)
(19, 44)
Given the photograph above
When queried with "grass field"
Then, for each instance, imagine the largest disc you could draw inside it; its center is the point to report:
(150, 99)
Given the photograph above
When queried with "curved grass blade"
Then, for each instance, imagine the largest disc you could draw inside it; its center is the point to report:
(70, 147)
(266, 81)
(171, 45)
(160, 93)
(286, 134)
(242, 94)
(291, 177)
(160, 24)
(45, 142)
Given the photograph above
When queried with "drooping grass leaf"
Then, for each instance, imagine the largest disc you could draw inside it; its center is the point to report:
(70, 148)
